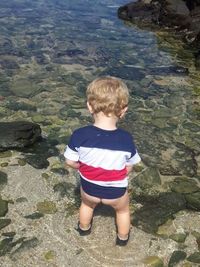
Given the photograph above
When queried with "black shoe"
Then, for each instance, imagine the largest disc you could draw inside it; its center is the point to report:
(121, 242)
(83, 232)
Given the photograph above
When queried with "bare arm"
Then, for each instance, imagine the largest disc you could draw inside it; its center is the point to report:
(72, 164)
(129, 169)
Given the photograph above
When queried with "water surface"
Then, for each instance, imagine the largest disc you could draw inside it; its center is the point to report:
(49, 52)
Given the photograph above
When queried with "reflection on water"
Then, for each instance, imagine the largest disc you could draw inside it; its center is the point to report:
(50, 50)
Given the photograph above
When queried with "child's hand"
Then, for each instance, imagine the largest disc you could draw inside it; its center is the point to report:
(72, 164)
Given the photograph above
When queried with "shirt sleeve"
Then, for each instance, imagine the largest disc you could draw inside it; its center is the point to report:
(134, 158)
(71, 150)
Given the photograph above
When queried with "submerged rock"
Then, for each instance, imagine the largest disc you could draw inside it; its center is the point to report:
(176, 257)
(157, 210)
(3, 207)
(18, 134)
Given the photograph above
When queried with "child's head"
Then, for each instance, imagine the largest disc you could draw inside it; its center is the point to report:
(109, 95)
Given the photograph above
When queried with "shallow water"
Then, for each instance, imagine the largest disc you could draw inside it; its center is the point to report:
(49, 52)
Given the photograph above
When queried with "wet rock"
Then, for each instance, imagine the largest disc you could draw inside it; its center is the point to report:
(3, 207)
(21, 200)
(18, 134)
(5, 246)
(9, 234)
(147, 178)
(20, 106)
(37, 155)
(195, 257)
(25, 88)
(64, 189)
(25, 246)
(171, 70)
(128, 73)
(3, 179)
(176, 257)
(179, 237)
(46, 207)
(193, 200)
(153, 261)
(184, 185)
(50, 255)
(21, 162)
(60, 171)
(65, 113)
(34, 216)
(4, 223)
(5, 154)
(157, 210)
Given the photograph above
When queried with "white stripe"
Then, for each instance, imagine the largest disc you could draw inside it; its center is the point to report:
(134, 160)
(103, 158)
(71, 154)
(122, 183)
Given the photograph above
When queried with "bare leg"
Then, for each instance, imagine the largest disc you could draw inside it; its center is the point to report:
(121, 206)
(86, 209)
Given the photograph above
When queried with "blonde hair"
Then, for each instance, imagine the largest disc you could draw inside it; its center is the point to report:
(107, 94)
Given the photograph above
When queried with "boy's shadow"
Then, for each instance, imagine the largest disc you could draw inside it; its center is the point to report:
(104, 210)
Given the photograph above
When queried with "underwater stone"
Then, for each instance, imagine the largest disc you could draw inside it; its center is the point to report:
(3, 180)
(176, 257)
(184, 185)
(49, 255)
(147, 178)
(21, 200)
(21, 162)
(24, 246)
(20, 106)
(153, 261)
(125, 72)
(24, 88)
(3, 207)
(193, 200)
(5, 154)
(18, 134)
(46, 207)
(34, 216)
(4, 164)
(5, 246)
(63, 189)
(60, 171)
(4, 223)
(195, 257)
(157, 210)
(179, 237)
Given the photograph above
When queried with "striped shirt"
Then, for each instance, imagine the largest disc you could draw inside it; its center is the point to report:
(103, 155)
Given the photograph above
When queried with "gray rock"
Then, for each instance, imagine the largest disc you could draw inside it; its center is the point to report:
(18, 134)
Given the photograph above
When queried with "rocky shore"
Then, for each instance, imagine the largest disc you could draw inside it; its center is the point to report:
(183, 17)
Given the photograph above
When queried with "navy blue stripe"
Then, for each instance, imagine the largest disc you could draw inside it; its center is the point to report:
(106, 192)
(91, 136)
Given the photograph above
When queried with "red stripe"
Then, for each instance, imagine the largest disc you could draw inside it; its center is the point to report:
(100, 174)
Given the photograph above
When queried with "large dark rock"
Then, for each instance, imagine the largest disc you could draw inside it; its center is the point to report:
(182, 15)
(18, 134)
